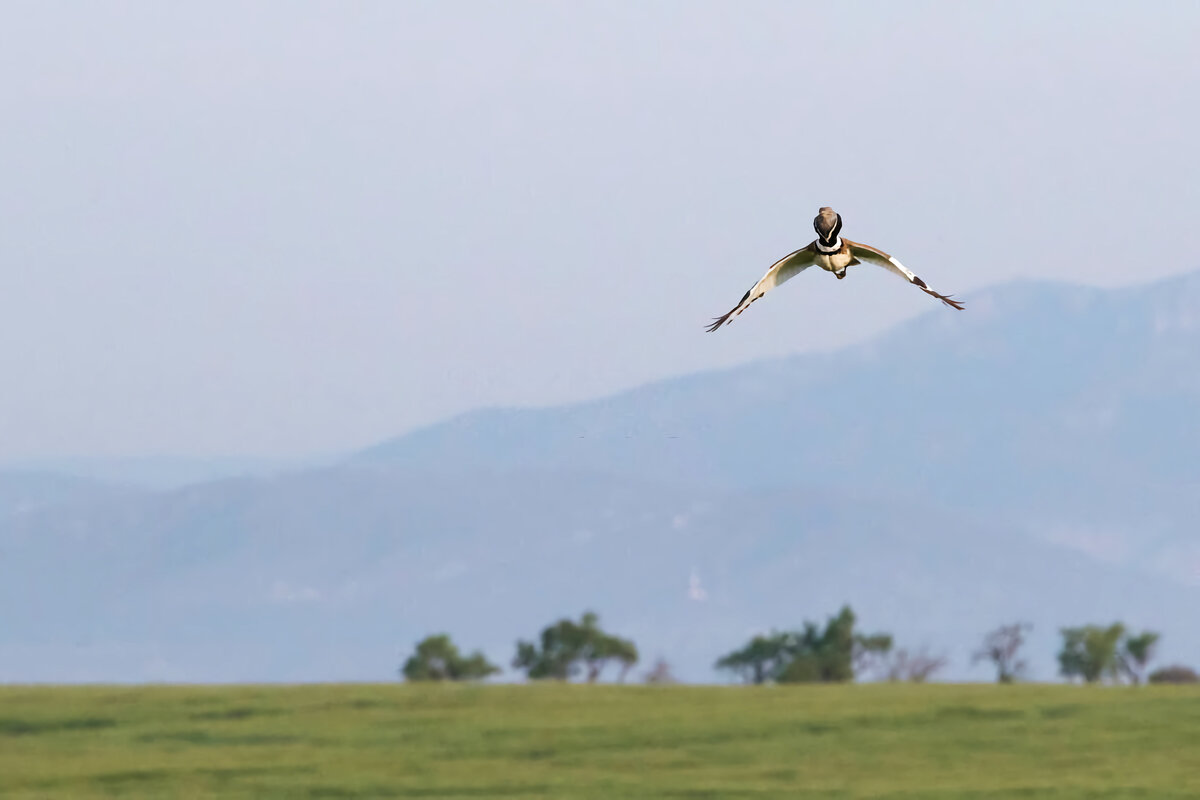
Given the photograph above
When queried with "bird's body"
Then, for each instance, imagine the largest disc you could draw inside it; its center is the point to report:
(837, 261)
(831, 253)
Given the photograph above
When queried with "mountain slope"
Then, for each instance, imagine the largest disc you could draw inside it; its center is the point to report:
(1067, 411)
(24, 491)
(328, 575)
(1032, 458)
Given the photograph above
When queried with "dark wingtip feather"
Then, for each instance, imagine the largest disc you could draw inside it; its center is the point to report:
(945, 298)
(717, 323)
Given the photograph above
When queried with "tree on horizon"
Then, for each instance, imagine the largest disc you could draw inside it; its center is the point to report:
(437, 658)
(1136, 653)
(1096, 653)
(567, 647)
(913, 666)
(831, 655)
(1000, 647)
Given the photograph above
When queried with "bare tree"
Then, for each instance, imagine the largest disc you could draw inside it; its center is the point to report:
(1000, 647)
(915, 667)
(660, 674)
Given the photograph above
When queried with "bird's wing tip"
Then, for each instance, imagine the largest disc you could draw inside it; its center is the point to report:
(717, 322)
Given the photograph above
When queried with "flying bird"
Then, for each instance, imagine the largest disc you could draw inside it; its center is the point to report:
(829, 252)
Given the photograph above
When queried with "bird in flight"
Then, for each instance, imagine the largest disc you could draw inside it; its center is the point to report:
(829, 252)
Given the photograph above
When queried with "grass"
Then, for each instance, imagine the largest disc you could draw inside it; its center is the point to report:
(362, 741)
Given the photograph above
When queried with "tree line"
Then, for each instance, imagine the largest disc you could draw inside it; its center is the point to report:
(565, 650)
(831, 653)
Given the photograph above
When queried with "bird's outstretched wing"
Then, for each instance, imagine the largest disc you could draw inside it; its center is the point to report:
(865, 252)
(780, 271)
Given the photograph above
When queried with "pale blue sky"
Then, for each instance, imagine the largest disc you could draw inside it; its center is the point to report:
(284, 227)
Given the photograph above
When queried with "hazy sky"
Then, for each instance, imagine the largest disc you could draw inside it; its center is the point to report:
(288, 227)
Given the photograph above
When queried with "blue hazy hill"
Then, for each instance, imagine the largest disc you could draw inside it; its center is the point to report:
(1058, 408)
(328, 574)
(1032, 458)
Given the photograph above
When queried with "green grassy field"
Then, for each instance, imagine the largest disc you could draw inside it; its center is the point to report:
(366, 741)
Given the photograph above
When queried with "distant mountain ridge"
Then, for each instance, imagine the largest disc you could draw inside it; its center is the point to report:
(161, 472)
(1031, 458)
(328, 575)
(24, 491)
(1060, 408)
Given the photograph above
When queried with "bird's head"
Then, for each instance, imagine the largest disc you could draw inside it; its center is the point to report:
(828, 224)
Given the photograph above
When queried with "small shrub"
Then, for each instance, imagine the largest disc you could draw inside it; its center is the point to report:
(1176, 673)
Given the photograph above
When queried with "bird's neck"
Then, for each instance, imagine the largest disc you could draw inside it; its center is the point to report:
(824, 247)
